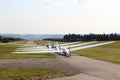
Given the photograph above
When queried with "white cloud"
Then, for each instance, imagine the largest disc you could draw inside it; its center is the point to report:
(77, 1)
(50, 3)
(93, 2)
(14, 1)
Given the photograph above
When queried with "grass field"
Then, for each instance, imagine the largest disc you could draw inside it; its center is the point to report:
(19, 42)
(44, 42)
(22, 56)
(7, 48)
(6, 53)
(31, 74)
(41, 42)
(14, 42)
(109, 52)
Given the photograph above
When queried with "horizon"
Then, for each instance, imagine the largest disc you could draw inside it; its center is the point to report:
(59, 16)
(42, 36)
(52, 33)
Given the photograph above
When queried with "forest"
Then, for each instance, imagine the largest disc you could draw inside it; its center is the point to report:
(8, 39)
(91, 37)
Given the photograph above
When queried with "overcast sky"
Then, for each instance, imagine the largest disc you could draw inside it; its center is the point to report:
(59, 16)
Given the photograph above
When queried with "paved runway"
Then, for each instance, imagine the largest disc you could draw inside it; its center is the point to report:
(91, 69)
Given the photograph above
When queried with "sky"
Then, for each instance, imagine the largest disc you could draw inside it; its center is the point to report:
(59, 16)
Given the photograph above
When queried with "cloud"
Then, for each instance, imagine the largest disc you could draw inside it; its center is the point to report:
(14, 1)
(80, 1)
(50, 3)
(93, 2)
(77, 1)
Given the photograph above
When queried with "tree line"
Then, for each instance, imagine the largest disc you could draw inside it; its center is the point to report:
(54, 39)
(8, 39)
(91, 37)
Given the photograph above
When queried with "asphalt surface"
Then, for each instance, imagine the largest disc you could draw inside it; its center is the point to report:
(31, 63)
(91, 69)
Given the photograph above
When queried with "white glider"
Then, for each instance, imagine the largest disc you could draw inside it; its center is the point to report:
(57, 49)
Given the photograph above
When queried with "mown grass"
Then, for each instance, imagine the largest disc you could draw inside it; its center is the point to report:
(44, 42)
(19, 42)
(23, 56)
(109, 52)
(7, 48)
(14, 42)
(41, 42)
(31, 74)
(6, 52)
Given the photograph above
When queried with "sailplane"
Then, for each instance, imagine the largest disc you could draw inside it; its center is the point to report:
(59, 48)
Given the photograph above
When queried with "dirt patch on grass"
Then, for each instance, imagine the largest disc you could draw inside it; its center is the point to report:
(55, 64)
